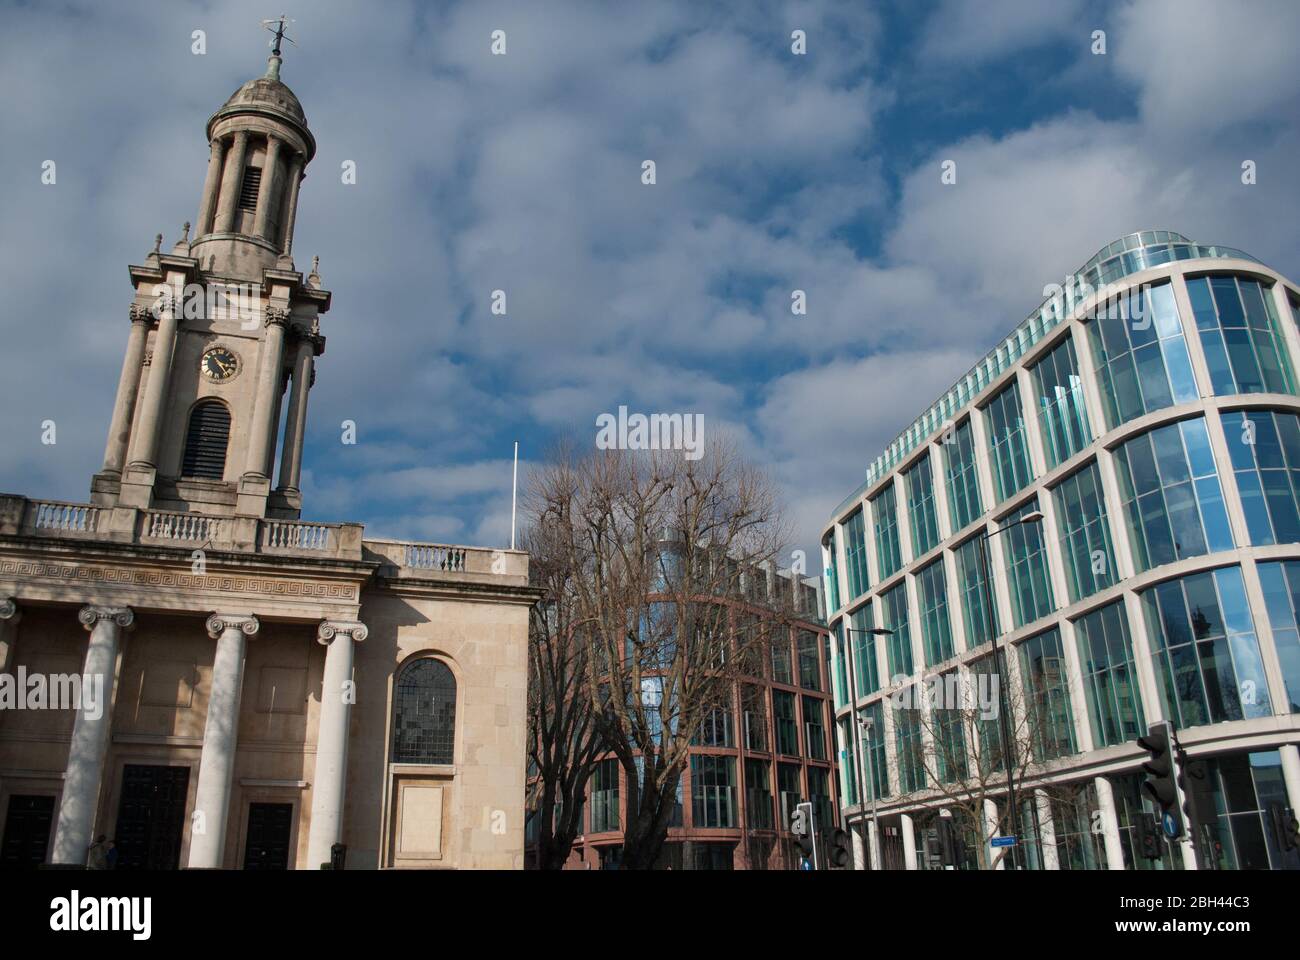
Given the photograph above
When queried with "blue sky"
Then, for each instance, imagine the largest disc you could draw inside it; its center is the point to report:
(775, 172)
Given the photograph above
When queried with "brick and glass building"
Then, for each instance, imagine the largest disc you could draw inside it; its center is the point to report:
(1146, 424)
(750, 762)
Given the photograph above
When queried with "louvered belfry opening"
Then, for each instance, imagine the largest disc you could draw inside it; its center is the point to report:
(248, 189)
(206, 441)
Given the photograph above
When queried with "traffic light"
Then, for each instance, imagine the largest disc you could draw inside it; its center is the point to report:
(1198, 792)
(801, 825)
(1160, 782)
(947, 841)
(840, 854)
(1150, 846)
(1286, 828)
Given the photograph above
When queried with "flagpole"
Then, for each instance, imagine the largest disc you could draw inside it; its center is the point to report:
(514, 496)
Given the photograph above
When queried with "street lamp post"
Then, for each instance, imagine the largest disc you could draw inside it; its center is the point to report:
(1008, 755)
(865, 724)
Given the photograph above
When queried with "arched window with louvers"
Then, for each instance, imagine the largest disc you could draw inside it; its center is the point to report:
(206, 441)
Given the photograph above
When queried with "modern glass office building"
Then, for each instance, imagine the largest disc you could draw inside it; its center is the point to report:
(1112, 496)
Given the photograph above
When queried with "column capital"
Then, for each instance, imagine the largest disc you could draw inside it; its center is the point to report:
(329, 629)
(9, 611)
(140, 313)
(218, 623)
(91, 614)
(275, 316)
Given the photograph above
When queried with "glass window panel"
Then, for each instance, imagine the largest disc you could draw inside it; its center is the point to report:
(1008, 450)
(1085, 533)
(932, 594)
(1244, 348)
(713, 791)
(1061, 412)
(1141, 355)
(898, 646)
(1110, 675)
(855, 554)
(865, 669)
(1204, 648)
(977, 611)
(1169, 517)
(1049, 719)
(1281, 583)
(964, 504)
(884, 512)
(921, 511)
(1027, 571)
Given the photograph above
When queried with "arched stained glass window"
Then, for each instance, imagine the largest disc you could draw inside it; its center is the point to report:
(424, 713)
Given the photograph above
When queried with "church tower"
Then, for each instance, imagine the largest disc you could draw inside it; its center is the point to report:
(222, 328)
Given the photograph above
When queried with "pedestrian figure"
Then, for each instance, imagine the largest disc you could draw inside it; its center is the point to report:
(97, 856)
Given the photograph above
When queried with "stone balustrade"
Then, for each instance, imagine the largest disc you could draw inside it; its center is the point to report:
(53, 519)
(403, 559)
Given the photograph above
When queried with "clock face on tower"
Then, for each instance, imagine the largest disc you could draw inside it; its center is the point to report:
(219, 364)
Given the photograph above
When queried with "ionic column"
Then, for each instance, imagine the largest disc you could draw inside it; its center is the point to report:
(128, 386)
(231, 180)
(265, 403)
(1109, 823)
(144, 447)
(208, 203)
(296, 422)
(85, 770)
(330, 779)
(266, 190)
(217, 761)
(9, 617)
(290, 215)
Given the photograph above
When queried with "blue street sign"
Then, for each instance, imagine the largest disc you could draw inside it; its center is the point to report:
(1003, 841)
(1169, 823)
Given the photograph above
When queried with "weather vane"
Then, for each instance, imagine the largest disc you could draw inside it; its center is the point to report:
(277, 26)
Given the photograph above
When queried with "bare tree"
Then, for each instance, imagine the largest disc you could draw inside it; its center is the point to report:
(654, 550)
(952, 745)
(563, 738)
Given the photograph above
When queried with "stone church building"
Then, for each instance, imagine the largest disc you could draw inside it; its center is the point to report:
(273, 691)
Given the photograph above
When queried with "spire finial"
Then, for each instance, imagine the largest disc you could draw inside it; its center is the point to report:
(185, 232)
(314, 277)
(157, 244)
(276, 26)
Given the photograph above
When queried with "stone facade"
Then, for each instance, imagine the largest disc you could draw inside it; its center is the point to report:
(252, 666)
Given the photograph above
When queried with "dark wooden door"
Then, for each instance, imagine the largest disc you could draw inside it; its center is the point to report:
(267, 846)
(151, 817)
(27, 832)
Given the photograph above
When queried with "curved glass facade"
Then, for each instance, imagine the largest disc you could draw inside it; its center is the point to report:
(1113, 496)
(1141, 355)
(1243, 343)
(1171, 495)
(1264, 446)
